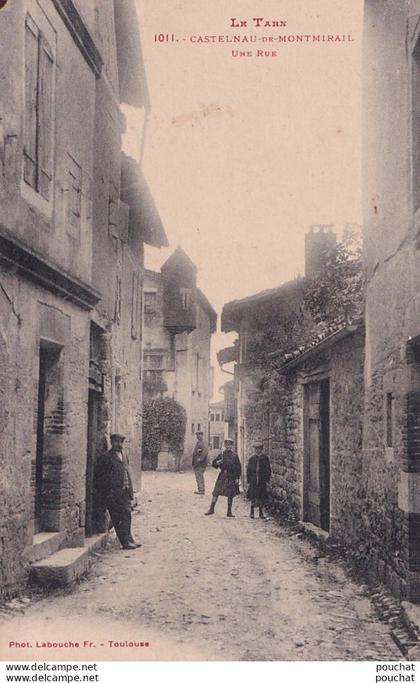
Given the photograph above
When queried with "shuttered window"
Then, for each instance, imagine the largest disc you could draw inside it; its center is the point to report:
(39, 71)
(75, 195)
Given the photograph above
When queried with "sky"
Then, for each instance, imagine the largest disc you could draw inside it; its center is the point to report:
(243, 154)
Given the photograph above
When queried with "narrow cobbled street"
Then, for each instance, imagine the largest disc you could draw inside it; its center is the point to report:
(207, 588)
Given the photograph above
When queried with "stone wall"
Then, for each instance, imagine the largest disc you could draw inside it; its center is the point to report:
(392, 265)
(346, 419)
(286, 448)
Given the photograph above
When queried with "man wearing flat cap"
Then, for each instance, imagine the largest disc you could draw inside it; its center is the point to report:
(227, 483)
(199, 462)
(113, 483)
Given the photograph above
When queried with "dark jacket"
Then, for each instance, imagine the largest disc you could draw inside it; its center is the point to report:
(112, 476)
(230, 471)
(258, 473)
(200, 453)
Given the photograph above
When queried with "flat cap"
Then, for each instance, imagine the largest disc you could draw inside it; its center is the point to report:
(116, 435)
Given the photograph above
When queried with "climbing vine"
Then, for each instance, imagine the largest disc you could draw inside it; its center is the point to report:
(164, 421)
(337, 293)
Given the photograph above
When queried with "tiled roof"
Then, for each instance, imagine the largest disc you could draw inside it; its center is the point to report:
(324, 339)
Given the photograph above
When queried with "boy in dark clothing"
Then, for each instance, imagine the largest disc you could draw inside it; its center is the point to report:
(258, 475)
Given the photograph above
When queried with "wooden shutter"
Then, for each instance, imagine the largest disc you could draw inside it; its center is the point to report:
(135, 308)
(31, 102)
(46, 71)
(118, 296)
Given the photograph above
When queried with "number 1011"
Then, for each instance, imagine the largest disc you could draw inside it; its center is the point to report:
(164, 37)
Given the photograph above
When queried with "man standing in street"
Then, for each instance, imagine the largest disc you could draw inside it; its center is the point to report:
(258, 473)
(113, 484)
(199, 462)
(227, 483)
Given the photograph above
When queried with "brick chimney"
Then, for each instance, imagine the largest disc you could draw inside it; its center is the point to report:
(319, 242)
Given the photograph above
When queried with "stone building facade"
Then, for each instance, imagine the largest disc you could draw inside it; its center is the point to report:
(391, 175)
(315, 441)
(178, 324)
(70, 268)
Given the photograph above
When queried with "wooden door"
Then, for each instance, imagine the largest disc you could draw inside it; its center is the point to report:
(317, 455)
(92, 443)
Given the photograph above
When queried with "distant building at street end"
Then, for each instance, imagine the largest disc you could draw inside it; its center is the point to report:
(216, 428)
(230, 410)
(178, 324)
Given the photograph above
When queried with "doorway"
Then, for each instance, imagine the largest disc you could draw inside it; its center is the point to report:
(48, 391)
(94, 511)
(317, 454)
(92, 447)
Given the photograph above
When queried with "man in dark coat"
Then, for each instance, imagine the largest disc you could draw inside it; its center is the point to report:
(258, 473)
(113, 484)
(199, 462)
(227, 483)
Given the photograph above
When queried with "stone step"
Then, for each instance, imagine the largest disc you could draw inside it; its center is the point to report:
(96, 543)
(44, 544)
(64, 567)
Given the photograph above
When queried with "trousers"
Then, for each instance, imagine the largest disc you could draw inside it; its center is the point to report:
(119, 508)
(199, 477)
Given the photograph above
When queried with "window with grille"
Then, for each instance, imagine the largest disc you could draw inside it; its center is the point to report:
(39, 74)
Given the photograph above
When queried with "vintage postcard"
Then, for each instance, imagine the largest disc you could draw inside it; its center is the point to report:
(210, 332)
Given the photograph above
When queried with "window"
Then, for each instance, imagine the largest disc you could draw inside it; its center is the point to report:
(150, 302)
(155, 362)
(154, 369)
(211, 417)
(199, 427)
(216, 441)
(389, 420)
(185, 299)
(192, 428)
(39, 70)
(217, 417)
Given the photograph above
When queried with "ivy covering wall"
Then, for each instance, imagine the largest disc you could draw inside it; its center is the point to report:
(164, 422)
